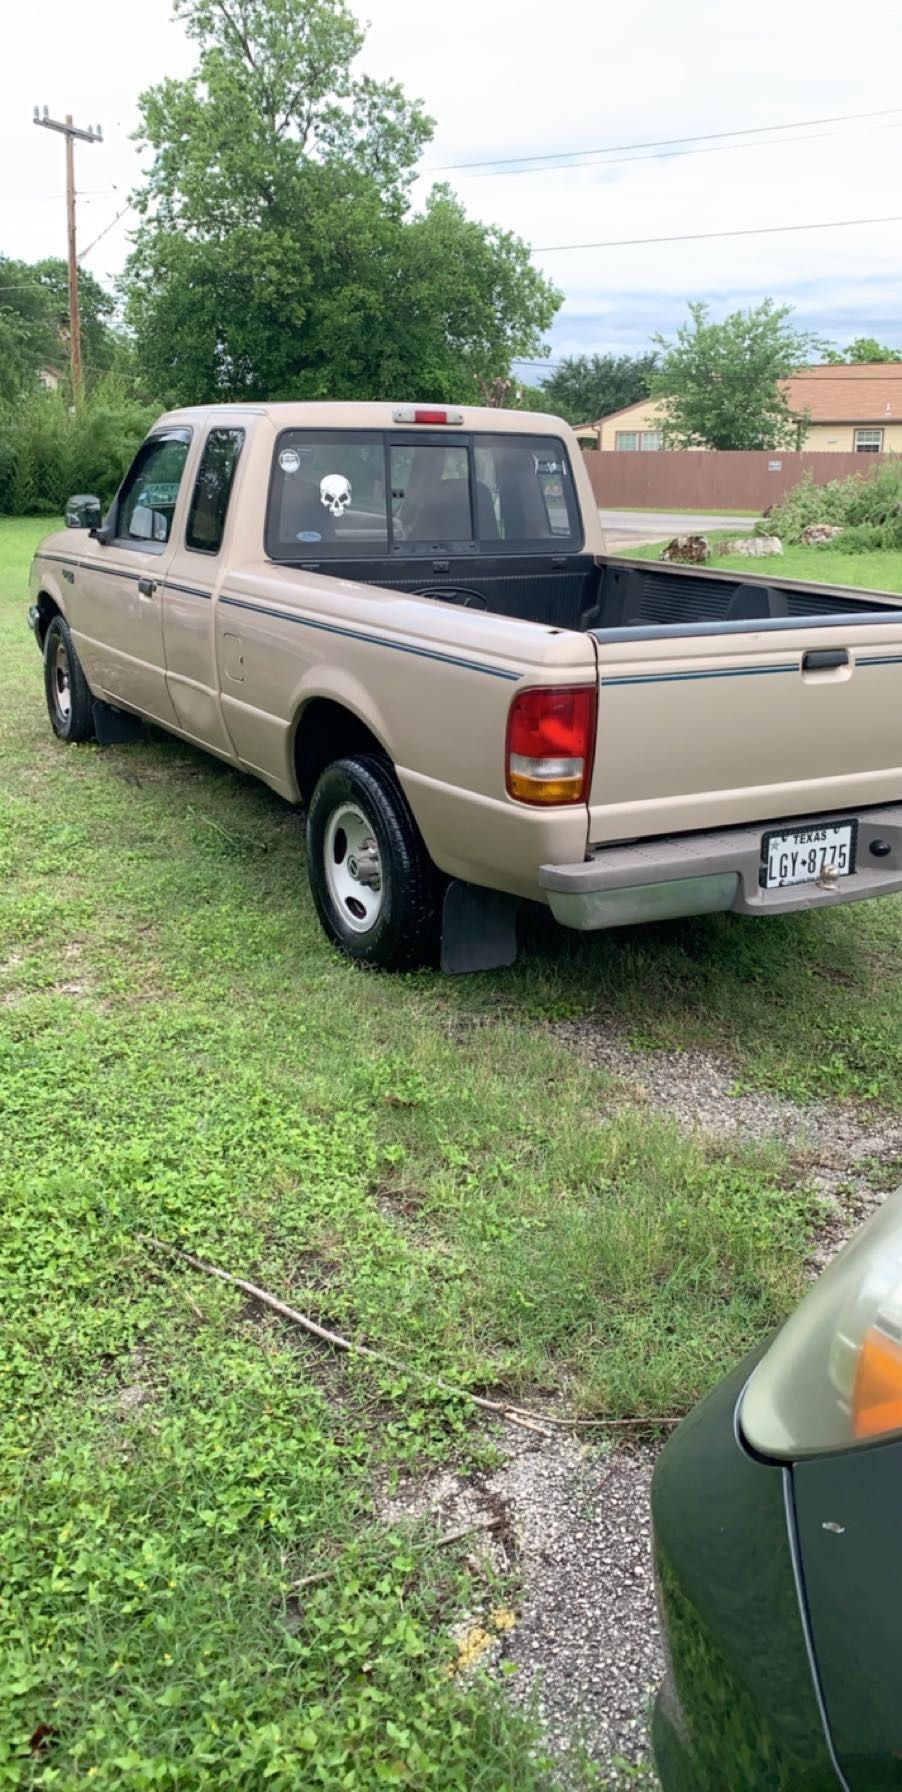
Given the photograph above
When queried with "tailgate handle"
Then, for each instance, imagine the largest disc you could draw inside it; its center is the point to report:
(824, 659)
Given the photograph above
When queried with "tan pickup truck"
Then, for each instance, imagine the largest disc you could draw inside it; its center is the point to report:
(403, 616)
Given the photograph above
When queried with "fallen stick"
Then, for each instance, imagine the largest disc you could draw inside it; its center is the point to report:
(465, 1530)
(514, 1415)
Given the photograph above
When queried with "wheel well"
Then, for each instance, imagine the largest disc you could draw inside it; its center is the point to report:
(328, 731)
(47, 608)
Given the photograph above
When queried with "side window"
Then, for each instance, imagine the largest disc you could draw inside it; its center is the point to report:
(148, 498)
(210, 502)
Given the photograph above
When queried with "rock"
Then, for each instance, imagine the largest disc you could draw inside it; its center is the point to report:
(757, 547)
(687, 550)
(819, 532)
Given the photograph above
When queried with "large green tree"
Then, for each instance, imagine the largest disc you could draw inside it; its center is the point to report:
(586, 387)
(721, 383)
(277, 255)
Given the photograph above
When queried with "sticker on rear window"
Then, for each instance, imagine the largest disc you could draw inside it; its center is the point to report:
(289, 460)
(308, 535)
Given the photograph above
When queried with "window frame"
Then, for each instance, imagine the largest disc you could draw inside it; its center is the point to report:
(620, 443)
(215, 429)
(131, 544)
(869, 429)
(645, 438)
(400, 551)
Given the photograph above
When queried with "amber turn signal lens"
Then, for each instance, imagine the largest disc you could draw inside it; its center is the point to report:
(877, 1397)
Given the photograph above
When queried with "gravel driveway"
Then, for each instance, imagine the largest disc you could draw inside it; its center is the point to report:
(573, 1518)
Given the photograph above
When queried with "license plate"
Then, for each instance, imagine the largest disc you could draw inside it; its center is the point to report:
(802, 855)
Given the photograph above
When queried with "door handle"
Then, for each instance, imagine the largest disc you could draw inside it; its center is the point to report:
(146, 587)
(824, 659)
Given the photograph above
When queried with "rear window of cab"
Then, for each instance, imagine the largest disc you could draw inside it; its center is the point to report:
(345, 494)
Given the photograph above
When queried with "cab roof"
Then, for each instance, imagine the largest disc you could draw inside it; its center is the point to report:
(355, 415)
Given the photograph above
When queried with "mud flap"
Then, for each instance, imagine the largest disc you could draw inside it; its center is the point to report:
(479, 929)
(114, 727)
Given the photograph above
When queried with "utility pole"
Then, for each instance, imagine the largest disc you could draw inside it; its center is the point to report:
(93, 134)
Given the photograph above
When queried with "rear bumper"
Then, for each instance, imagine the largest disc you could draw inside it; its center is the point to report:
(703, 874)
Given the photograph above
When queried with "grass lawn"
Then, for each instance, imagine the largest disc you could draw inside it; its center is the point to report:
(880, 570)
(416, 1161)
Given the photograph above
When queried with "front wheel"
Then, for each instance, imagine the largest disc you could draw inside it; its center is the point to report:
(69, 703)
(375, 888)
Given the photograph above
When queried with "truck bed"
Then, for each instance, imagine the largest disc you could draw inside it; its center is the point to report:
(586, 592)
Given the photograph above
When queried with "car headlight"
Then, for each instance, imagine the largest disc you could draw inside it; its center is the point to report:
(833, 1375)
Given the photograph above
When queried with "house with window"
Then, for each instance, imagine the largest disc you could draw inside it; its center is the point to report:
(840, 410)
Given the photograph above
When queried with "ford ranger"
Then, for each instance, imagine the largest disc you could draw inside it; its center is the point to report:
(404, 617)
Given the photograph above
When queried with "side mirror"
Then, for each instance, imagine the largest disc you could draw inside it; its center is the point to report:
(83, 512)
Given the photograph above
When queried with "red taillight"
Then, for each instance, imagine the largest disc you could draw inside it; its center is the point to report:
(408, 413)
(550, 743)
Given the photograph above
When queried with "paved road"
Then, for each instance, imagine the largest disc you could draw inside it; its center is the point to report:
(650, 525)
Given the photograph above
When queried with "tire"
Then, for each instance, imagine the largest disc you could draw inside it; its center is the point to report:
(69, 701)
(376, 891)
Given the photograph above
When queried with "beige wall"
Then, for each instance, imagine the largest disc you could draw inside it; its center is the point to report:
(826, 438)
(839, 438)
(644, 415)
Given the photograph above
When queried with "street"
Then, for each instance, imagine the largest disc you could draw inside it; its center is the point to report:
(625, 528)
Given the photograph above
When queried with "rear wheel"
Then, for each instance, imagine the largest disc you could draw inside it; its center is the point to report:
(375, 888)
(69, 702)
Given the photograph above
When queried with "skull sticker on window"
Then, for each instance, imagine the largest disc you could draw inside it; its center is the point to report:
(335, 493)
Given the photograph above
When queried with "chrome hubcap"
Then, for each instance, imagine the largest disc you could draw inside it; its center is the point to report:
(353, 868)
(62, 683)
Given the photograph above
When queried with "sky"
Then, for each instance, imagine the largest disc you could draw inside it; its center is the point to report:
(529, 80)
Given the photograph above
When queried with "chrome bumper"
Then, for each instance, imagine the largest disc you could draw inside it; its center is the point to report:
(705, 874)
(34, 617)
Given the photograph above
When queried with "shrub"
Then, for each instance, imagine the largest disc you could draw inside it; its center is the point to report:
(48, 451)
(864, 502)
(863, 538)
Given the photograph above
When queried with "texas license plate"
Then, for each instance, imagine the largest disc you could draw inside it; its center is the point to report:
(802, 855)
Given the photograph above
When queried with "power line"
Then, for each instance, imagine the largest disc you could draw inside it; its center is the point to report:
(670, 155)
(567, 155)
(705, 236)
(106, 229)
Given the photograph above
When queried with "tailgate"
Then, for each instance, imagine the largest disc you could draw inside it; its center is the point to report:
(716, 725)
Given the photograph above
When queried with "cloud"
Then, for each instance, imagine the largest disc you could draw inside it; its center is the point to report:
(521, 78)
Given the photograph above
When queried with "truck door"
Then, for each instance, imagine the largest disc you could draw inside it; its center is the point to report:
(117, 609)
(193, 576)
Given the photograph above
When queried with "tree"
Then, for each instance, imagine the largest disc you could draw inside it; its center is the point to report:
(586, 387)
(34, 323)
(277, 256)
(96, 306)
(721, 383)
(863, 349)
(28, 335)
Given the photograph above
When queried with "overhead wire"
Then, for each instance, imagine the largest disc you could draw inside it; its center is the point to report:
(671, 155)
(705, 236)
(567, 155)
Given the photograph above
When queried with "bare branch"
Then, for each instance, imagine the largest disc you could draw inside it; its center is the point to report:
(513, 1415)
